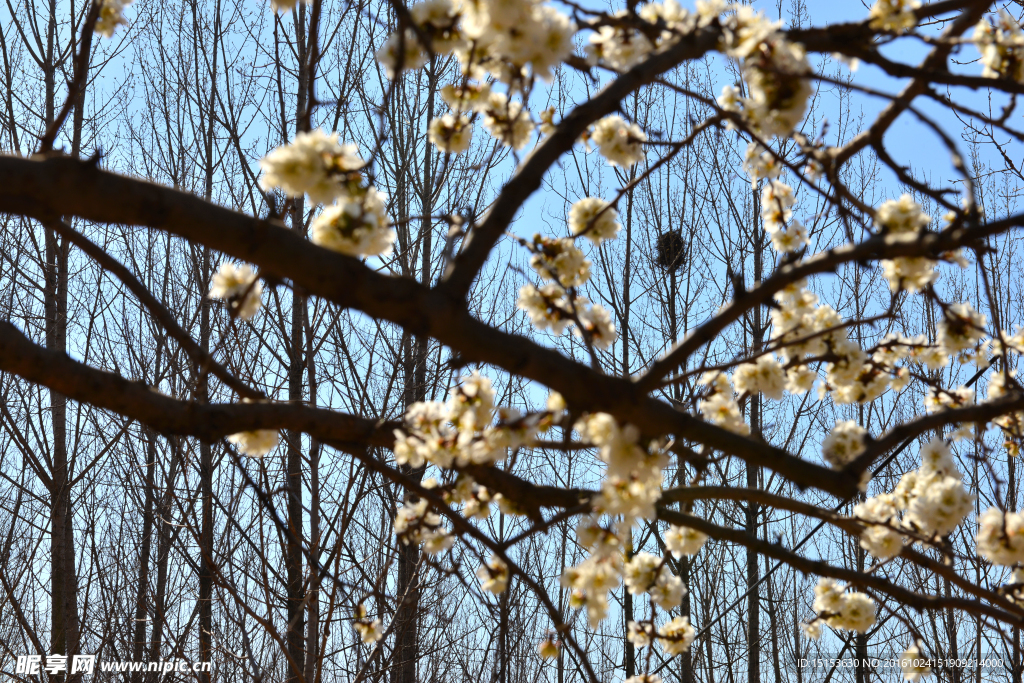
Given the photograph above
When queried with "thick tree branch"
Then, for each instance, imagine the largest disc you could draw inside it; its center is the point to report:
(527, 179)
(853, 577)
(50, 187)
(79, 382)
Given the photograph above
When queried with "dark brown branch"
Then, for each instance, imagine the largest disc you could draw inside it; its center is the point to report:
(156, 308)
(21, 357)
(54, 186)
(853, 577)
(527, 179)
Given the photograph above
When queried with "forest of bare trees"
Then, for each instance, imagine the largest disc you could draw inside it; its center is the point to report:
(511, 341)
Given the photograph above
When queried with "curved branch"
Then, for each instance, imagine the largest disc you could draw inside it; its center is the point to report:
(874, 248)
(211, 421)
(778, 552)
(136, 401)
(46, 188)
(980, 413)
(156, 308)
(936, 59)
(527, 179)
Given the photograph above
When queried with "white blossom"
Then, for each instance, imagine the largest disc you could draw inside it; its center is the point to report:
(669, 591)
(508, 35)
(369, 630)
(547, 307)
(937, 457)
(912, 273)
(789, 238)
(881, 542)
(760, 164)
(841, 610)
(555, 402)
(775, 71)
(961, 328)
(941, 505)
(356, 226)
(256, 443)
(682, 540)
(494, 575)
(776, 204)
(239, 286)
(559, 260)
(467, 97)
(547, 121)
(640, 633)
(850, 364)
(800, 379)
(1001, 537)
(678, 21)
(471, 403)
(552, 41)
(812, 630)
(844, 443)
(617, 443)
(597, 322)
(315, 163)
(594, 219)
(618, 47)
(434, 14)
(828, 595)
(619, 142)
(644, 678)
(857, 613)
(632, 483)
(548, 648)
(428, 437)
(913, 664)
(285, 5)
(508, 121)
(730, 99)
(1001, 46)
(901, 216)
(449, 134)
(894, 15)
(943, 399)
(592, 579)
(933, 497)
(415, 524)
(401, 52)
(436, 542)
(110, 16)
(675, 636)
(724, 411)
(881, 508)
(765, 376)
(647, 573)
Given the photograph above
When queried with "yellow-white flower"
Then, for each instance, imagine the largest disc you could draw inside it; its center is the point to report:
(355, 226)
(449, 134)
(239, 287)
(111, 16)
(256, 443)
(315, 163)
(619, 142)
(594, 219)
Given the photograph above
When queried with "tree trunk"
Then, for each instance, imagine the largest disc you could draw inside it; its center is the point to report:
(313, 604)
(142, 589)
(415, 353)
(206, 568)
(162, 557)
(753, 597)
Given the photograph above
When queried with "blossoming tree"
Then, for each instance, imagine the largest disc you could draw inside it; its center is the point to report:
(665, 431)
